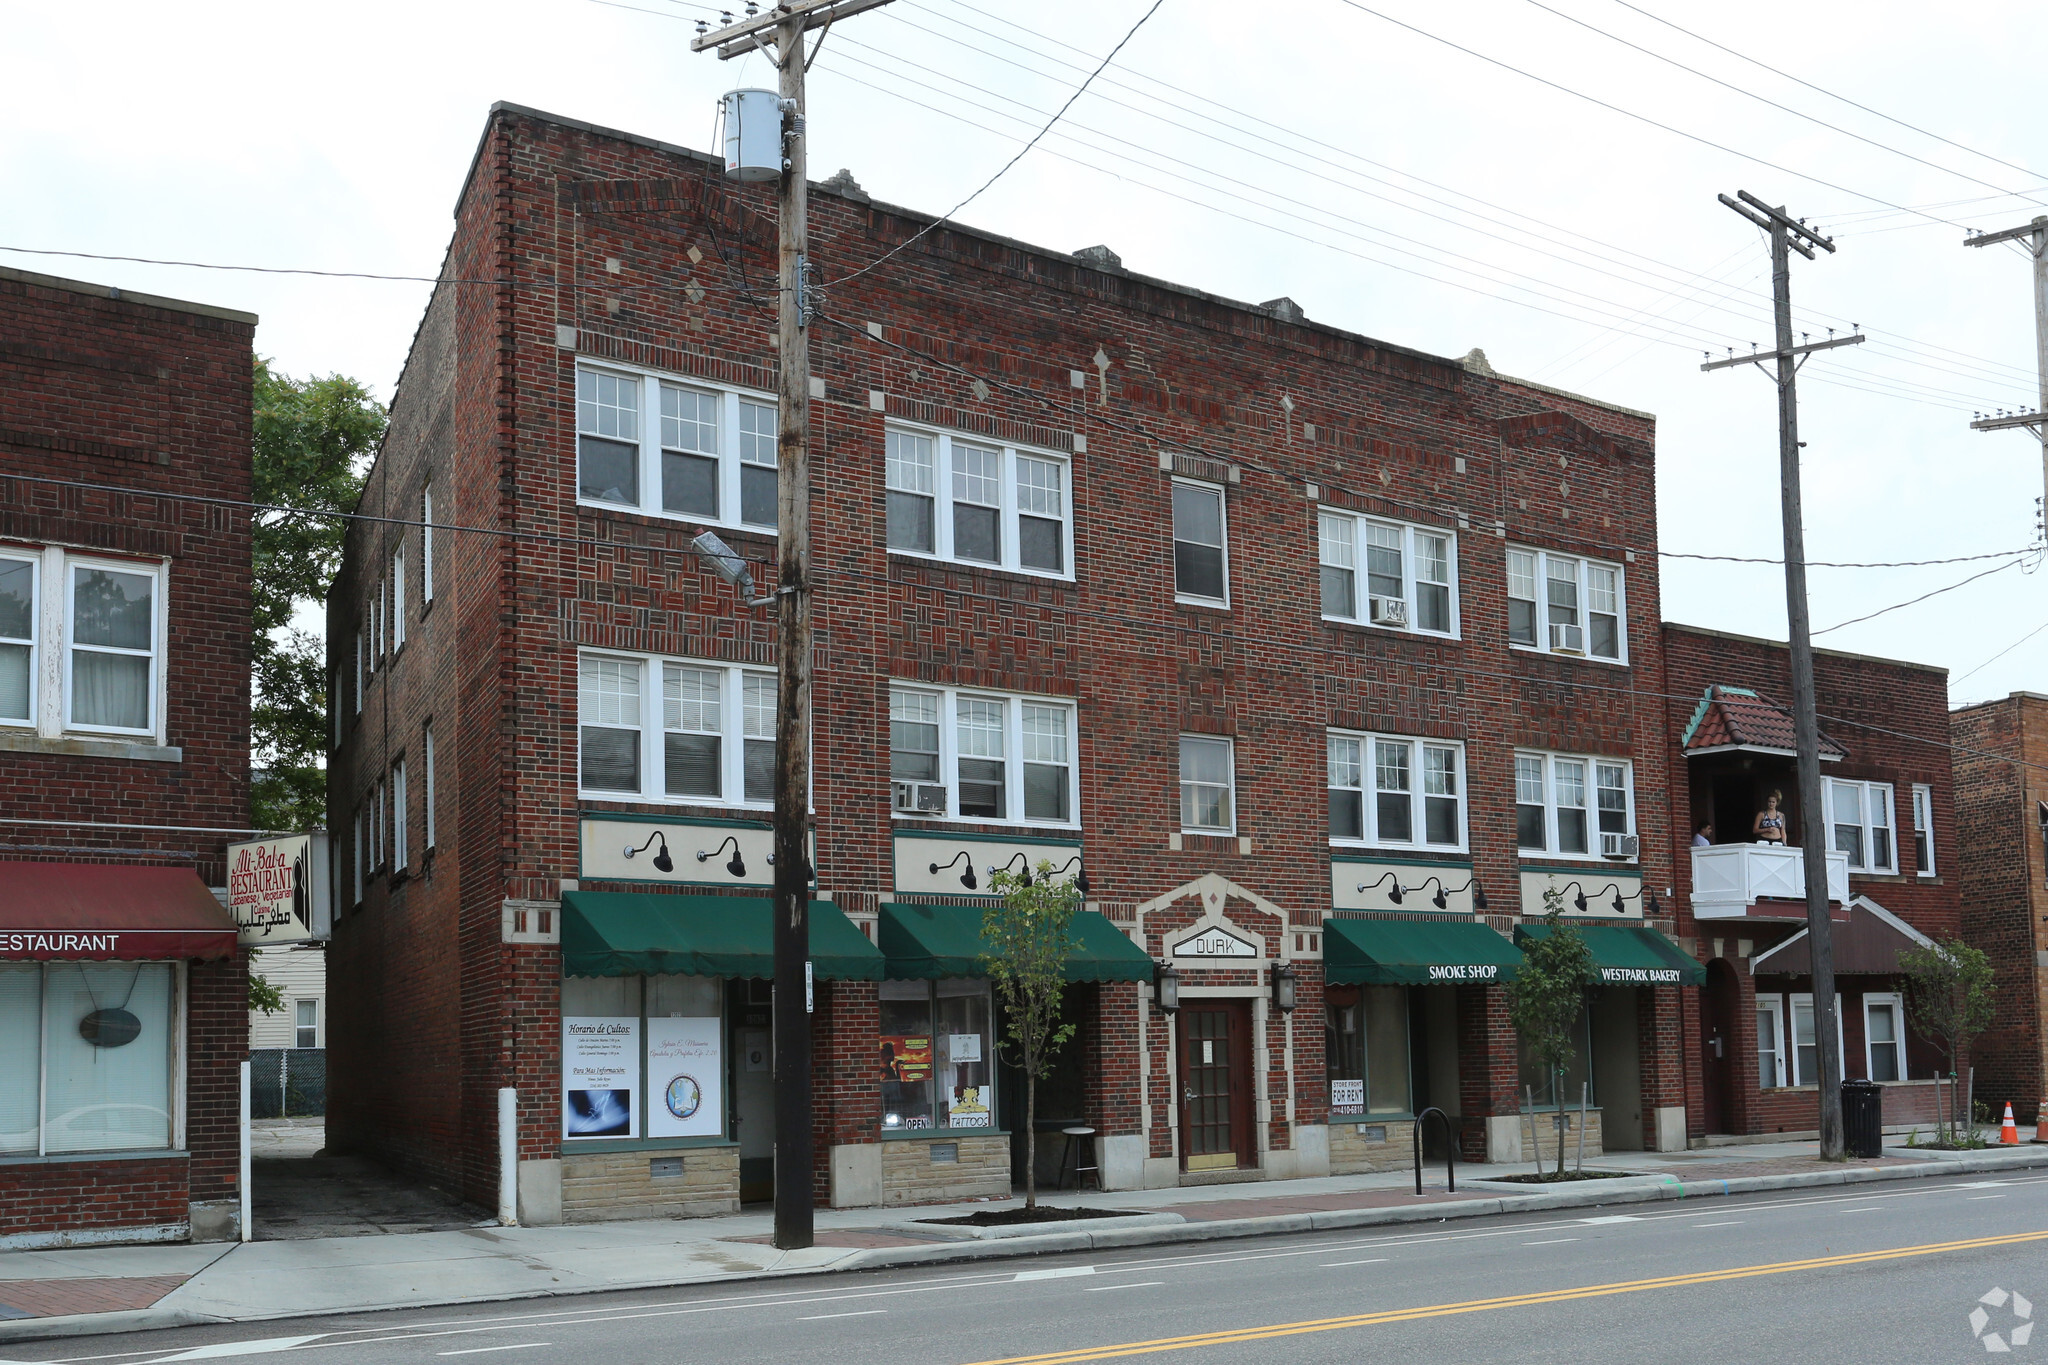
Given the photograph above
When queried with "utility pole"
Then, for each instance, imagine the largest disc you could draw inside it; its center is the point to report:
(783, 27)
(2035, 235)
(1787, 237)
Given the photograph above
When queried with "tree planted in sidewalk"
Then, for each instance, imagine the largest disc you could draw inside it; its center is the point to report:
(1547, 996)
(1026, 937)
(1949, 999)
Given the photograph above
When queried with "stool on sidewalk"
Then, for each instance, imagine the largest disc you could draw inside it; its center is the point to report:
(1070, 1163)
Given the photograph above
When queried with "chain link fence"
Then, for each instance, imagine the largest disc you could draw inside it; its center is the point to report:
(287, 1082)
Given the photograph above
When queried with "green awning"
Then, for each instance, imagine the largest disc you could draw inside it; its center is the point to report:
(650, 933)
(929, 941)
(1629, 955)
(1388, 952)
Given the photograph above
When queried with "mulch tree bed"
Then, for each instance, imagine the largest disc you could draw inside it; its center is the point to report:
(1044, 1213)
(1552, 1178)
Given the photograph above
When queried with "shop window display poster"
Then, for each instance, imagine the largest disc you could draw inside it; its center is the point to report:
(685, 1067)
(600, 1075)
(906, 1060)
(969, 1108)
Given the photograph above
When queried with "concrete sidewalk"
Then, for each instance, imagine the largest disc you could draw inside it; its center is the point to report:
(116, 1289)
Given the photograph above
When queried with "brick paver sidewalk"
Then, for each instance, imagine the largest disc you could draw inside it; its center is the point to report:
(55, 1298)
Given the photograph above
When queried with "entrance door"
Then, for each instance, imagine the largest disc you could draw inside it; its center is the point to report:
(1719, 1066)
(1216, 1089)
(754, 1087)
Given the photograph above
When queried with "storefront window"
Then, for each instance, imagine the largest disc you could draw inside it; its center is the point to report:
(643, 1057)
(1578, 1071)
(937, 1054)
(1368, 1059)
(96, 1042)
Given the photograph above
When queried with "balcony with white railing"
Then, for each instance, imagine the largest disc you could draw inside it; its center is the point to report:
(1729, 879)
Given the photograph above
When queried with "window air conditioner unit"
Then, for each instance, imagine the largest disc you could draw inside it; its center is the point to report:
(1389, 611)
(1566, 639)
(1620, 846)
(921, 798)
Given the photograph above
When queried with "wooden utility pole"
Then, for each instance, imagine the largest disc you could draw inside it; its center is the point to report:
(1787, 237)
(2035, 235)
(783, 27)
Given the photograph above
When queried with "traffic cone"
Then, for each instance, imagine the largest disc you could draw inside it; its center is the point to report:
(2008, 1136)
(2041, 1123)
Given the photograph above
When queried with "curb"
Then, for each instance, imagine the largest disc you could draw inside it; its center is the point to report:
(1071, 1240)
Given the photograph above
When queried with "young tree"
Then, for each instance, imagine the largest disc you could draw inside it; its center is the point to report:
(1025, 940)
(1547, 995)
(313, 440)
(1949, 999)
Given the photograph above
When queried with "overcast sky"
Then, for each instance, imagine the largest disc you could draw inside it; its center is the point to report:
(1388, 182)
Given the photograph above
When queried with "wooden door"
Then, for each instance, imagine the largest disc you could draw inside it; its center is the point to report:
(1216, 1090)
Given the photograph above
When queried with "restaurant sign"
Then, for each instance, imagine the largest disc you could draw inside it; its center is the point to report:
(279, 890)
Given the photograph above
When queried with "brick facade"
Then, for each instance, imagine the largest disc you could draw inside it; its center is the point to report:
(121, 415)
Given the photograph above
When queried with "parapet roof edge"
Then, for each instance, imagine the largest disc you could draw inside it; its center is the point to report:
(119, 295)
(1781, 644)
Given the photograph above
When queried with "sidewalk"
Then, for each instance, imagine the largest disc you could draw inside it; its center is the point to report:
(116, 1289)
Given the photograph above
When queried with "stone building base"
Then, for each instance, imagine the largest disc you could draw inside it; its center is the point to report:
(691, 1182)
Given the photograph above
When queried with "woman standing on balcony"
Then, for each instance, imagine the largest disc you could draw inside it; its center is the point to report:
(1770, 821)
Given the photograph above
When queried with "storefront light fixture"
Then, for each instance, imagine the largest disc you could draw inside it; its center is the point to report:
(1081, 876)
(1284, 982)
(1442, 899)
(967, 874)
(1393, 892)
(1166, 988)
(1643, 894)
(1579, 900)
(662, 862)
(1023, 871)
(738, 865)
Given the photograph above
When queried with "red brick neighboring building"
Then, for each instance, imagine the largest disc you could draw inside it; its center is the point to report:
(2001, 763)
(1326, 658)
(124, 760)
(1889, 832)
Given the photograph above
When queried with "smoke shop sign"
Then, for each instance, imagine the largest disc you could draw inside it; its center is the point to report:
(1464, 971)
(1215, 943)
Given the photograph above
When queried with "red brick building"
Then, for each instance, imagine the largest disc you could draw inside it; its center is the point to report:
(1324, 658)
(124, 760)
(2002, 818)
(1888, 833)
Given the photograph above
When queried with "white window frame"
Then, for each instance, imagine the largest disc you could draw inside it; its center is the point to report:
(1013, 704)
(400, 853)
(1230, 788)
(177, 1047)
(359, 670)
(1592, 764)
(158, 574)
(651, 382)
(1585, 607)
(1897, 1002)
(1223, 522)
(1009, 512)
(1923, 828)
(1775, 1007)
(36, 687)
(334, 708)
(298, 1029)
(378, 606)
(1355, 524)
(50, 644)
(359, 855)
(426, 542)
(1793, 1001)
(378, 848)
(427, 794)
(1870, 790)
(1418, 797)
(653, 726)
(397, 600)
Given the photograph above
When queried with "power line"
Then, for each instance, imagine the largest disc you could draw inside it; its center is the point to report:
(1897, 606)
(2000, 654)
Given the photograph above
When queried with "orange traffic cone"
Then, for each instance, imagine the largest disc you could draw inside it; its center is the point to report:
(2008, 1136)
(2041, 1123)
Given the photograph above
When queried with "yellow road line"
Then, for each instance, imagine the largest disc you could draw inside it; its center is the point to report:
(1233, 1336)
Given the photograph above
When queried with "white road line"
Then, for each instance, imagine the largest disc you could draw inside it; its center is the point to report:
(260, 1346)
(1057, 1273)
(1377, 1260)
(1973, 1198)
(1105, 1288)
(479, 1350)
(1555, 1241)
(1736, 1224)
(864, 1313)
(1612, 1218)
(1867, 1208)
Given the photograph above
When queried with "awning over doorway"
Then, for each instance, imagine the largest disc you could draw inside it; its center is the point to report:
(1735, 719)
(649, 933)
(94, 912)
(1868, 943)
(930, 941)
(1629, 954)
(1386, 952)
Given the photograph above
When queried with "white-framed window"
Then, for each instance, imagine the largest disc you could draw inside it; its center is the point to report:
(19, 600)
(398, 599)
(334, 708)
(952, 1023)
(1566, 604)
(672, 447)
(1384, 573)
(113, 636)
(1923, 829)
(1805, 1049)
(359, 657)
(427, 796)
(1201, 544)
(359, 859)
(1884, 1036)
(978, 501)
(1770, 1042)
(426, 543)
(957, 754)
(1208, 785)
(662, 729)
(1564, 803)
(1396, 791)
(66, 1090)
(305, 1023)
(380, 605)
(1859, 818)
(400, 858)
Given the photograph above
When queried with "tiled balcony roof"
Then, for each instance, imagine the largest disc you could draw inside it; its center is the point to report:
(1737, 718)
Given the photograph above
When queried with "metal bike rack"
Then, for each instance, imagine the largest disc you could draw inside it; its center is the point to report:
(1450, 1149)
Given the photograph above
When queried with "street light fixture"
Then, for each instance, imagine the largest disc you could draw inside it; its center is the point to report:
(725, 561)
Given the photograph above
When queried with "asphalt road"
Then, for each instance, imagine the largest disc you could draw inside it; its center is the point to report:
(1887, 1272)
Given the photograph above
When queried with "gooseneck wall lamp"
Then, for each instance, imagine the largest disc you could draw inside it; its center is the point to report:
(1080, 878)
(662, 862)
(1442, 899)
(738, 865)
(1023, 871)
(966, 876)
(1393, 892)
(1579, 901)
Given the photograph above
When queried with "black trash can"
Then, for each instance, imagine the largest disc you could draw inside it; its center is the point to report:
(1863, 1118)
